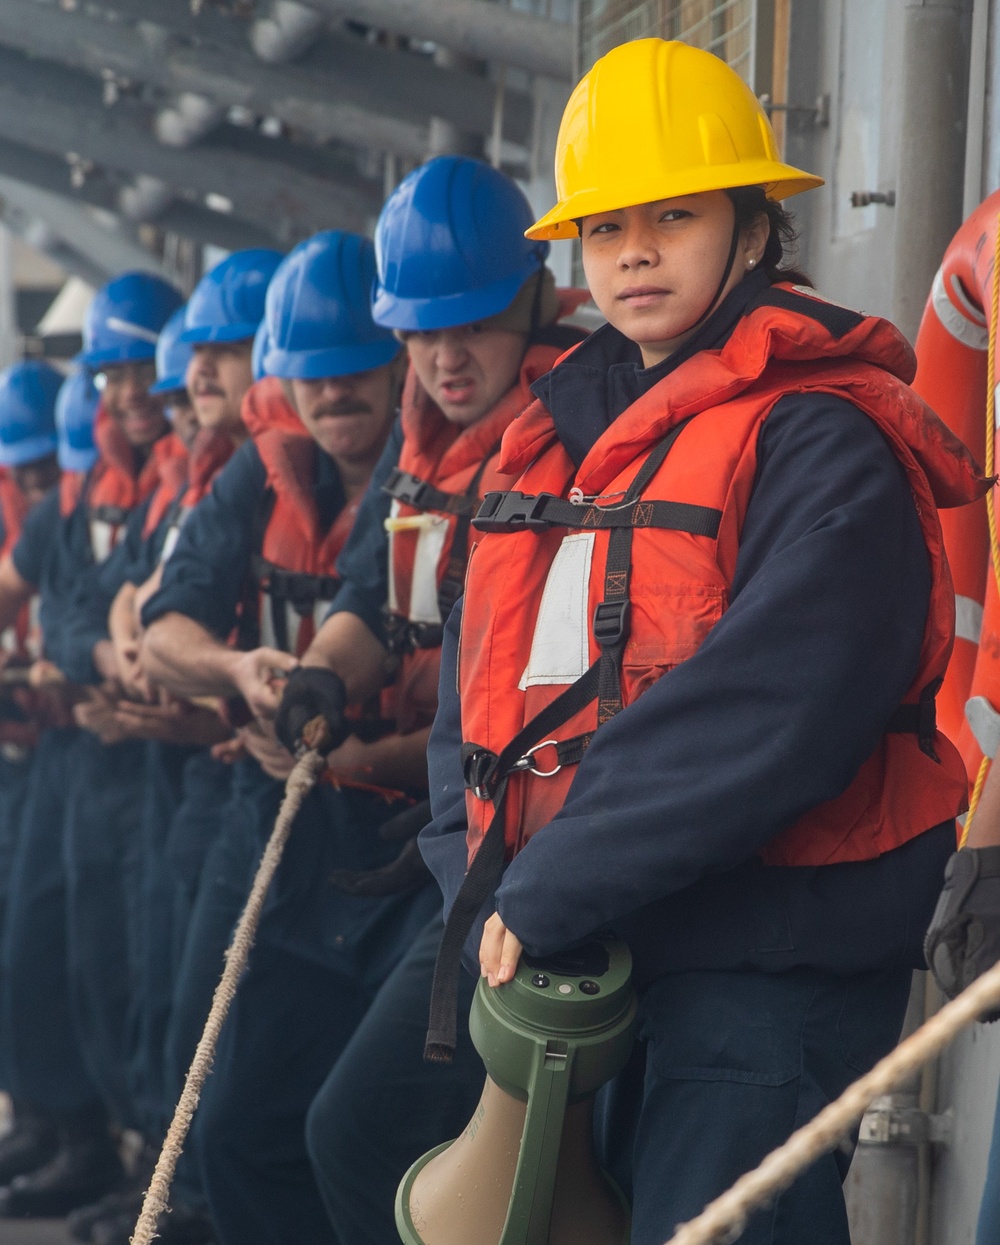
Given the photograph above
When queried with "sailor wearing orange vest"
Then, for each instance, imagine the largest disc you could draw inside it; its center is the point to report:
(60, 964)
(700, 642)
(28, 470)
(478, 311)
(257, 555)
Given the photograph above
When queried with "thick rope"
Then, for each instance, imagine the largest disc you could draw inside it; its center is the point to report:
(300, 782)
(723, 1220)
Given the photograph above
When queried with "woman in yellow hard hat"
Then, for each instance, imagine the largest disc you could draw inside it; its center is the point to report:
(699, 648)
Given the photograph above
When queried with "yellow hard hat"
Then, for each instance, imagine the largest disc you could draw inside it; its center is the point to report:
(654, 120)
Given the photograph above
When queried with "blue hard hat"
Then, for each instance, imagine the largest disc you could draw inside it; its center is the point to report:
(28, 412)
(76, 410)
(228, 302)
(172, 356)
(450, 246)
(261, 345)
(124, 319)
(319, 311)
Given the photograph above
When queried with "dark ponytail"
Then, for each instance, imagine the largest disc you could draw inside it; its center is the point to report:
(751, 202)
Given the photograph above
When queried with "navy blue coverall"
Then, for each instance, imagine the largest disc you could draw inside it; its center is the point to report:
(319, 957)
(157, 904)
(382, 1106)
(15, 773)
(765, 991)
(41, 1054)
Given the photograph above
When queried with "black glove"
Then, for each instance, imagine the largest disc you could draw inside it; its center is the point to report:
(963, 940)
(312, 692)
(406, 873)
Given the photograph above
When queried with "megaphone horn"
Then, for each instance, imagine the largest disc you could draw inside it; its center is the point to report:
(524, 1170)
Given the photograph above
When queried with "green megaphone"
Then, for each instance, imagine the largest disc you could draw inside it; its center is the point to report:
(524, 1170)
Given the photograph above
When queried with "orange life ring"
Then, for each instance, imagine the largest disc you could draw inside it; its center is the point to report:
(952, 377)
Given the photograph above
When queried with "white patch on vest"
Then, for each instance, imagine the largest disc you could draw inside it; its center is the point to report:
(967, 331)
(102, 538)
(293, 623)
(984, 722)
(33, 642)
(319, 612)
(173, 534)
(968, 619)
(560, 647)
(268, 638)
(170, 542)
(424, 606)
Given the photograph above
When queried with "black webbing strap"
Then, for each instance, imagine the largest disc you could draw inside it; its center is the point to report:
(611, 618)
(114, 516)
(490, 776)
(412, 491)
(919, 719)
(300, 589)
(452, 583)
(518, 512)
(484, 873)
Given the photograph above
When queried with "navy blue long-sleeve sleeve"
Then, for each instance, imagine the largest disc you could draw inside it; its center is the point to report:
(205, 575)
(363, 565)
(87, 619)
(52, 553)
(773, 715)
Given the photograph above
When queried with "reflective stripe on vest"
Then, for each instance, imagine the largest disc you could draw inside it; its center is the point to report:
(103, 538)
(174, 532)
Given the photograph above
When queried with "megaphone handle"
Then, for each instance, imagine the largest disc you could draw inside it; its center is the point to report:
(530, 1209)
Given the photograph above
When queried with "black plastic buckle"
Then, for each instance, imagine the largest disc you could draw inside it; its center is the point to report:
(479, 768)
(425, 635)
(611, 620)
(513, 512)
(406, 488)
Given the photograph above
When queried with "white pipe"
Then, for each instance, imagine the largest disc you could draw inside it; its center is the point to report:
(286, 32)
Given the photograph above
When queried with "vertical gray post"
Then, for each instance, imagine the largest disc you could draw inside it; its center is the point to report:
(930, 178)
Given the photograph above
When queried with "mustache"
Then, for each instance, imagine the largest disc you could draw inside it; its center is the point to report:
(346, 406)
(208, 391)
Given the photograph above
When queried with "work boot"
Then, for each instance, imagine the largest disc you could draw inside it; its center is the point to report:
(30, 1143)
(181, 1225)
(84, 1167)
(122, 1202)
(82, 1224)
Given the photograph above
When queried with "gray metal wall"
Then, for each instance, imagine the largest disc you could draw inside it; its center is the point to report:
(850, 50)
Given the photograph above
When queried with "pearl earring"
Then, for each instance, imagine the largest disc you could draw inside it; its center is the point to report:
(751, 262)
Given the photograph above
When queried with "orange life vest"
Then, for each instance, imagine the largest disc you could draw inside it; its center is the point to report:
(22, 640)
(444, 470)
(294, 579)
(555, 600)
(171, 475)
(13, 511)
(113, 488)
(182, 491)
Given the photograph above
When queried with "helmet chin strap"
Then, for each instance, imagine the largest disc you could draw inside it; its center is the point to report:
(725, 277)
